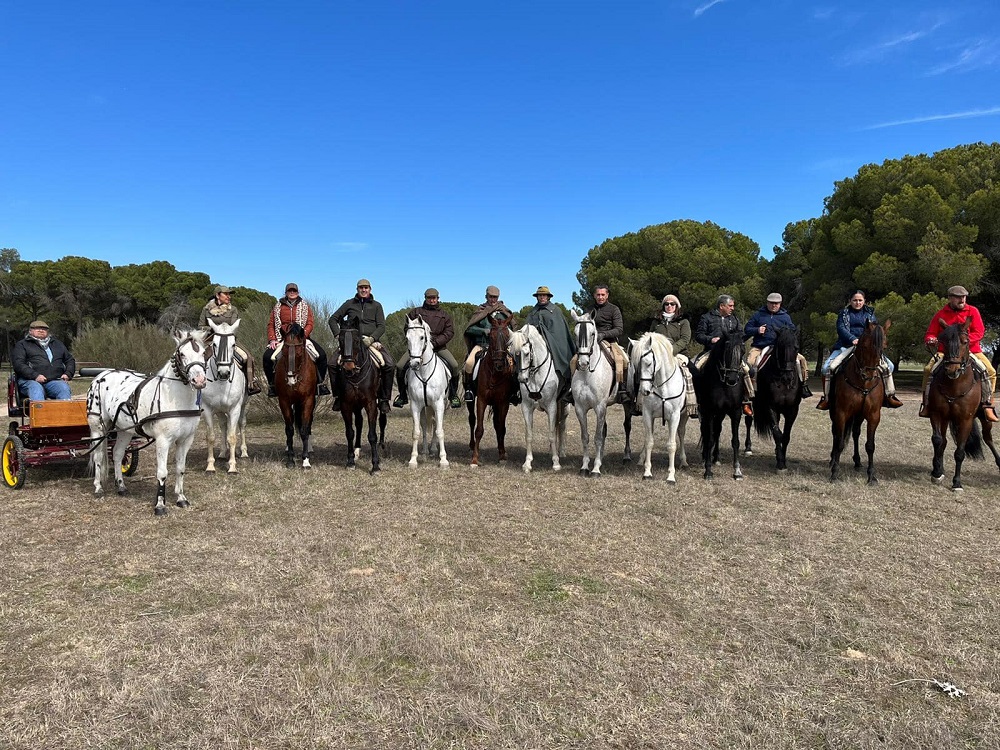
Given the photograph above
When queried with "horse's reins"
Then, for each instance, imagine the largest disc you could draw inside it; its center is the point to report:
(963, 363)
(419, 359)
(867, 373)
(653, 385)
(535, 396)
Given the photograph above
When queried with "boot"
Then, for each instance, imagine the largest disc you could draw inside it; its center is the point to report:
(515, 394)
(271, 391)
(924, 396)
(806, 393)
(889, 399)
(335, 406)
(385, 390)
(470, 388)
(823, 404)
(402, 399)
(323, 389)
(989, 412)
(748, 408)
(453, 398)
(253, 387)
(622, 397)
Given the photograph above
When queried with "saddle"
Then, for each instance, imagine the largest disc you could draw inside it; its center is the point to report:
(310, 350)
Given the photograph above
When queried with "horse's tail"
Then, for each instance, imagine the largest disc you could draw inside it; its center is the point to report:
(974, 443)
(762, 420)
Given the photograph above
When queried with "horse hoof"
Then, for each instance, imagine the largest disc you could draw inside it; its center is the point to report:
(121, 492)
(872, 482)
(596, 475)
(737, 477)
(671, 481)
(937, 480)
(374, 470)
(210, 470)
(160, 510)
(584, 472)
(748, 452)
(412, 464)
(233, 471)
(183, 504)
(782, 469)
(473, 466)
(444, 465)
(647, 476)
(958, 489)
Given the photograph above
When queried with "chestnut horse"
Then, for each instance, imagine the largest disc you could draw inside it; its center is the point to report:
(359, 384)
(295, 382)
(494, 384)
(856, 393)
(953, 404)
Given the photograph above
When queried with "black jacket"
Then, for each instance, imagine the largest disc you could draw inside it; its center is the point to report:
(29, 360)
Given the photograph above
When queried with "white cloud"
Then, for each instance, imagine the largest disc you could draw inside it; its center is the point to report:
(702, 8)
(978, 54)
(967, 114)
(878, 51)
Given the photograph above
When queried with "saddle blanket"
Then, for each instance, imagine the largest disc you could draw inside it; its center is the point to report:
(310, 350)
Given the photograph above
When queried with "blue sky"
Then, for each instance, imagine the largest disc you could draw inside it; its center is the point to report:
(457, 144)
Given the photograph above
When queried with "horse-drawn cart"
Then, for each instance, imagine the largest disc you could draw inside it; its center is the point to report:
(47, 432)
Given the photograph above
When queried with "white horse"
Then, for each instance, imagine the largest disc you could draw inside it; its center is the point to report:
(539, 383)
(426, 386)
(162, 407)
(225, 394)
(593, 387)
(661, 392)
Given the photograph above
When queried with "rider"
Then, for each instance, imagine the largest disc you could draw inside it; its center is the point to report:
(43, 365)
(477, 339)
(363, 312)
(442, 331)
(850, 325)
(763, 326)
(292, 309)
(221, 310)
(711, 327)
(668, 322)
(958, 310)
(551, 323)
(610, 326)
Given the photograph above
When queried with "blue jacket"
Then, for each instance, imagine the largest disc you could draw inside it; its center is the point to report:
(851, 324)
(774, 322)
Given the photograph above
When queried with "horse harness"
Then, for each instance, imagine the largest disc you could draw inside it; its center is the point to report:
(420, 358)
(654, 385)
(537, 395)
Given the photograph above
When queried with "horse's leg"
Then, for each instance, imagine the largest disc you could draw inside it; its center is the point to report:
(121, 447)
(673, 424)
(359, 412)
(527, 412)
(961, 437)
(707, 432)
(987, 430)
(472, 424)
(734, 423)
(415, 413)
(554, 427)
(581, 414)
(786, 436)
(600, 436)
(627, 427)
(873, 418)
(162, 451)
(438, 425)
(232, 425)
(500, 428)
(477, 433)
(99, 455)
(839, 432)
(305, 431)
(648, 420)
(939, 440)
(349, 436)
(682, 461)
(209, 437)
(242, 422)
(373, 437)
(182, 447)
(562, 413)
(856, 436)
(747, 444)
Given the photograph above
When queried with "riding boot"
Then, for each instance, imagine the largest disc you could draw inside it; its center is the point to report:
(889, 392)
(823, 404)
(621, 397)
(385, 389)
(515, 393)
(989, 412)
(253, 387)
(402, 398)
(321, 367)
(469, 385)
(269, 373)
(987, 401)
(565, 392)
(923, 403)
(806, 393)
(335, 376)
(453, 398)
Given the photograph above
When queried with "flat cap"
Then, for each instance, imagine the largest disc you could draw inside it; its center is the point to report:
(958, 291)
(774, 297)
(364, 282)
(222, 289)
(431, 292)
(38, 324)
(493, 291)
(291, 286)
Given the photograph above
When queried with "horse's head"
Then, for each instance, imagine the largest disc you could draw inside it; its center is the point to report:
(499, 336)
(586, 337)
(652, 360)
(871, 344)
(223, 340)
(191, 356)
(349, 341)
(294, 334)
(520, 348)
(954, 340)
(418, 339)
(786, 349)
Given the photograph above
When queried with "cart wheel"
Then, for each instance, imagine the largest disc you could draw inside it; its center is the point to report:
(130, 462)
(14, 467)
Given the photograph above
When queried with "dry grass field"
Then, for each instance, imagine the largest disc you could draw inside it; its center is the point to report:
(486, 608)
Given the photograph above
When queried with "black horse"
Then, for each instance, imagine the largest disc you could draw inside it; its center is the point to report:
(358, 388)
(719, 388)
(779, 393)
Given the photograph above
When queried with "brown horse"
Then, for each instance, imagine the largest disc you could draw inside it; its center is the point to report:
(359, 385)
(493, 386)
(856, 393)
(295, 383)
(953, 404)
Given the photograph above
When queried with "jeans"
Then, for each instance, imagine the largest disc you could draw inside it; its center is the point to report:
(886, 362)
(57, 389)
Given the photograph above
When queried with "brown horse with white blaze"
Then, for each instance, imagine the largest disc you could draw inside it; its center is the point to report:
(295, 382)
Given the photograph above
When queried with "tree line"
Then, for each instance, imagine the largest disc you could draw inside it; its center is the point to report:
(903, 231)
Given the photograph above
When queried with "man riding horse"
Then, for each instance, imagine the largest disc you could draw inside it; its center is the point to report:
(220, 309)
(442, 331)
(958, 310)
(610, 326)
(477, 336)
(551, 323)
(292, 309)
(763, 326)
(365, 314)
(712, 326)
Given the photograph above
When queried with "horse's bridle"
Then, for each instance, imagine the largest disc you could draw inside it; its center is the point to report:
(361, 362)
(584, 347)
(728, 368)
(417, 360)
(184, 372)
(653, 385)
(224, 354)
(526, 373)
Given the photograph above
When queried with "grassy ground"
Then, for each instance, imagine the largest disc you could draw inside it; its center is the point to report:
(487, 608)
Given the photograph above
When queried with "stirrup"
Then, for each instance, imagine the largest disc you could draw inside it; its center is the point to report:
(271, 391)
(456, 402)
(748, 409)
(469, 396)
(401, 401)
(923, 411)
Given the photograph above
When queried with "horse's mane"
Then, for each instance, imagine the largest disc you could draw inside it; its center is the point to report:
(728, 340)
(660, 345)
(872, 337)
(951, 336)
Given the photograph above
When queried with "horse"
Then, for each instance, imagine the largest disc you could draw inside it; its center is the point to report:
(163, 408)
(225, 394)
(426, 386)
(720, 389)
(661, 390)
(493, 387)
(953, 404)
(359, 385)
(779, 393)
(593, 387)
(295, 381)
(856, 394)
(539, 383)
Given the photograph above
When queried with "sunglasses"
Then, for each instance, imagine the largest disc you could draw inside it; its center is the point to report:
(670, 304)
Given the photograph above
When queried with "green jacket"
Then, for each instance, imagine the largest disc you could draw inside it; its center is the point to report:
(477, 332)
(677, 330)
(550, 321)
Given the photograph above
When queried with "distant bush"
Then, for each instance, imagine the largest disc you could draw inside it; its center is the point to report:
(133, 345)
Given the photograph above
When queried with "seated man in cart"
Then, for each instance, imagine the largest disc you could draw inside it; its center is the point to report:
(42, 364)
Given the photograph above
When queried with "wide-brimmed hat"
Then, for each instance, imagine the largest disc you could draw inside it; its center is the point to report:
(542, 290)
(222, 289)
(958, 291)
(774, 297)
(493, 291)
(291, 286)
(431, 292)
(38, 324)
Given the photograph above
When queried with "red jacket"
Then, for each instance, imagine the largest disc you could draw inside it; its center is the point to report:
(949, 316)
(286, 311)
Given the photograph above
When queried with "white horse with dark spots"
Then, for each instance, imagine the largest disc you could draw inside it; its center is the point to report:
(164, 408)
(225, 395)
(660, 391)
(539, 383)
(426, 387)
(593, 389)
